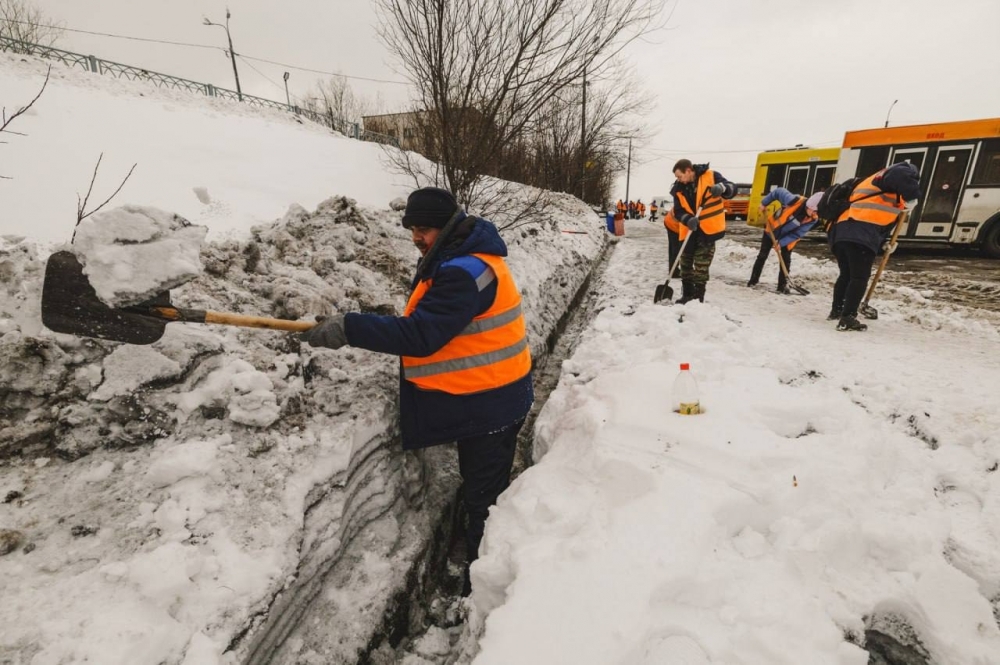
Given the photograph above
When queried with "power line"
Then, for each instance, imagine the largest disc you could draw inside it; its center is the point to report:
(671, 151)
(205, 46)
(320, 71)
(262, 74)
(108, 34)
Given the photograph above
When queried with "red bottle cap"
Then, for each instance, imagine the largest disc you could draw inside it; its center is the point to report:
(685, 366)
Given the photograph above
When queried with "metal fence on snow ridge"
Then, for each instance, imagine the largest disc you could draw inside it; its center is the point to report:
(119, 70)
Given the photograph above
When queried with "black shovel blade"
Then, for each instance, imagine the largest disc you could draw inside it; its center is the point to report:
(802, 291)
(70, 305)
(663, 292)
(868, 311)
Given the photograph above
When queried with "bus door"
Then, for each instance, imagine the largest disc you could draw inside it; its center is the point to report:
(937, 216)
(917, 157)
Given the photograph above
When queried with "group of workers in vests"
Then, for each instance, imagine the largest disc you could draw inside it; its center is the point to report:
(633, 209)
(697, 220)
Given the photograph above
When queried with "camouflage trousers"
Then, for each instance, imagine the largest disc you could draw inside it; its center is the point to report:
(697, 258)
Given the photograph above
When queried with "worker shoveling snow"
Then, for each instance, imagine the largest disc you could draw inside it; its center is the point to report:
(132, 253)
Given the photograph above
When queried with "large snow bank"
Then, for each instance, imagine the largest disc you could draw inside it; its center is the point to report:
(191, 500)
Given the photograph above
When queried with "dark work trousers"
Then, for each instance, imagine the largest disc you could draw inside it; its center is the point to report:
(484, 463)
(696, 261)
(855, 263)
(766, 248)
(674, 248)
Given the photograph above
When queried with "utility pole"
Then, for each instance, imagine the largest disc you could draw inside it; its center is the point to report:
(232, 53)
(288, 100)
(583, 142)
(890, 111)
(628, 170)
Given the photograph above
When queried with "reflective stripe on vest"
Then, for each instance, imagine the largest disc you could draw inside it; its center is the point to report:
(872, 205)
(712, 218)
(491, 352)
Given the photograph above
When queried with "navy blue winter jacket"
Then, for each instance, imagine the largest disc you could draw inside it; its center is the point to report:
(429, 417)
(901, 179)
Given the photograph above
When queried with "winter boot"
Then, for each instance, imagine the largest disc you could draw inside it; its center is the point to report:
(752, 282)
(783, 289)
(699, 292)
(687, 292)
(850, 323)
(835, 313)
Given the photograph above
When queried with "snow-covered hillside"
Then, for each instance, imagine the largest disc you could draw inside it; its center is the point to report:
(214, 162)
(205, 498)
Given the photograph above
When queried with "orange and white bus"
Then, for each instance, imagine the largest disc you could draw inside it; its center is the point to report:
(959, 164)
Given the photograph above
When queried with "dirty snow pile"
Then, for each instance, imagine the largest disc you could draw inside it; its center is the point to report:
(838, 500)
(132, 253)
(191, 500)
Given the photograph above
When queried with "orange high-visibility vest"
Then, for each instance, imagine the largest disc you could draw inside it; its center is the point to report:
(491, 352)
(712, 218)
(670, 222)
(870, 204)
(786, 214)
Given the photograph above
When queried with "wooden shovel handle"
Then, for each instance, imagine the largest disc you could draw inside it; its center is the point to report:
(900, 222)
(227, 319)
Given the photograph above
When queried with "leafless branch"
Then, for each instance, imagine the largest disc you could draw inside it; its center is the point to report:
(7, 121)
(81, 206)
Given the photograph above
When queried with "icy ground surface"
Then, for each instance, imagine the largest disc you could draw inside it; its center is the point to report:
(158, 502)
(837, 483)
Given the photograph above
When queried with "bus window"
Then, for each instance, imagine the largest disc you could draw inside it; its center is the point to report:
(872, 159)
(797, 176)
(824, 178)
(914, 156)
(988, 165)
(775, 177)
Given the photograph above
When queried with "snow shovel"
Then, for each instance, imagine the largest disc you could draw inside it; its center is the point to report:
(70, 305)
(665, 291)
(802, 291)
(865, 309)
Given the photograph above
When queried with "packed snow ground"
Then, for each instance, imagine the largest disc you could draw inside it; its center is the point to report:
(837, 482)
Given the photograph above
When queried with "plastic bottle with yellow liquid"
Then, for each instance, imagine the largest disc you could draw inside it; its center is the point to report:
(685, 393)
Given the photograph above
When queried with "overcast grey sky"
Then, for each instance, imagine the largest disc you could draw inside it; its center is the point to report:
(731, 77)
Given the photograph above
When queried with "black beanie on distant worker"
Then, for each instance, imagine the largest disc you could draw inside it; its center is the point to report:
(429, 206)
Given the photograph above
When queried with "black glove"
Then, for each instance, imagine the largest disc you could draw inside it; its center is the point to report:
(691, 221)
(718, 189)
(328, 332)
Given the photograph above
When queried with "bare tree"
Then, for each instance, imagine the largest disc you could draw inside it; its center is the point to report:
(486, 71)
(26, 25)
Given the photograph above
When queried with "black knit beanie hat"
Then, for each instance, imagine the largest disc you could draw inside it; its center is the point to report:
(429, 206)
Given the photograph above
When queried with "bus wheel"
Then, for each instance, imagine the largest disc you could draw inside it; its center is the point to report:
(991, 241)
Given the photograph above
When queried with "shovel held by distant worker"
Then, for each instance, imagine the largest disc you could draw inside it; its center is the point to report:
(865, 309)
(781, 261)
(70, 305)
